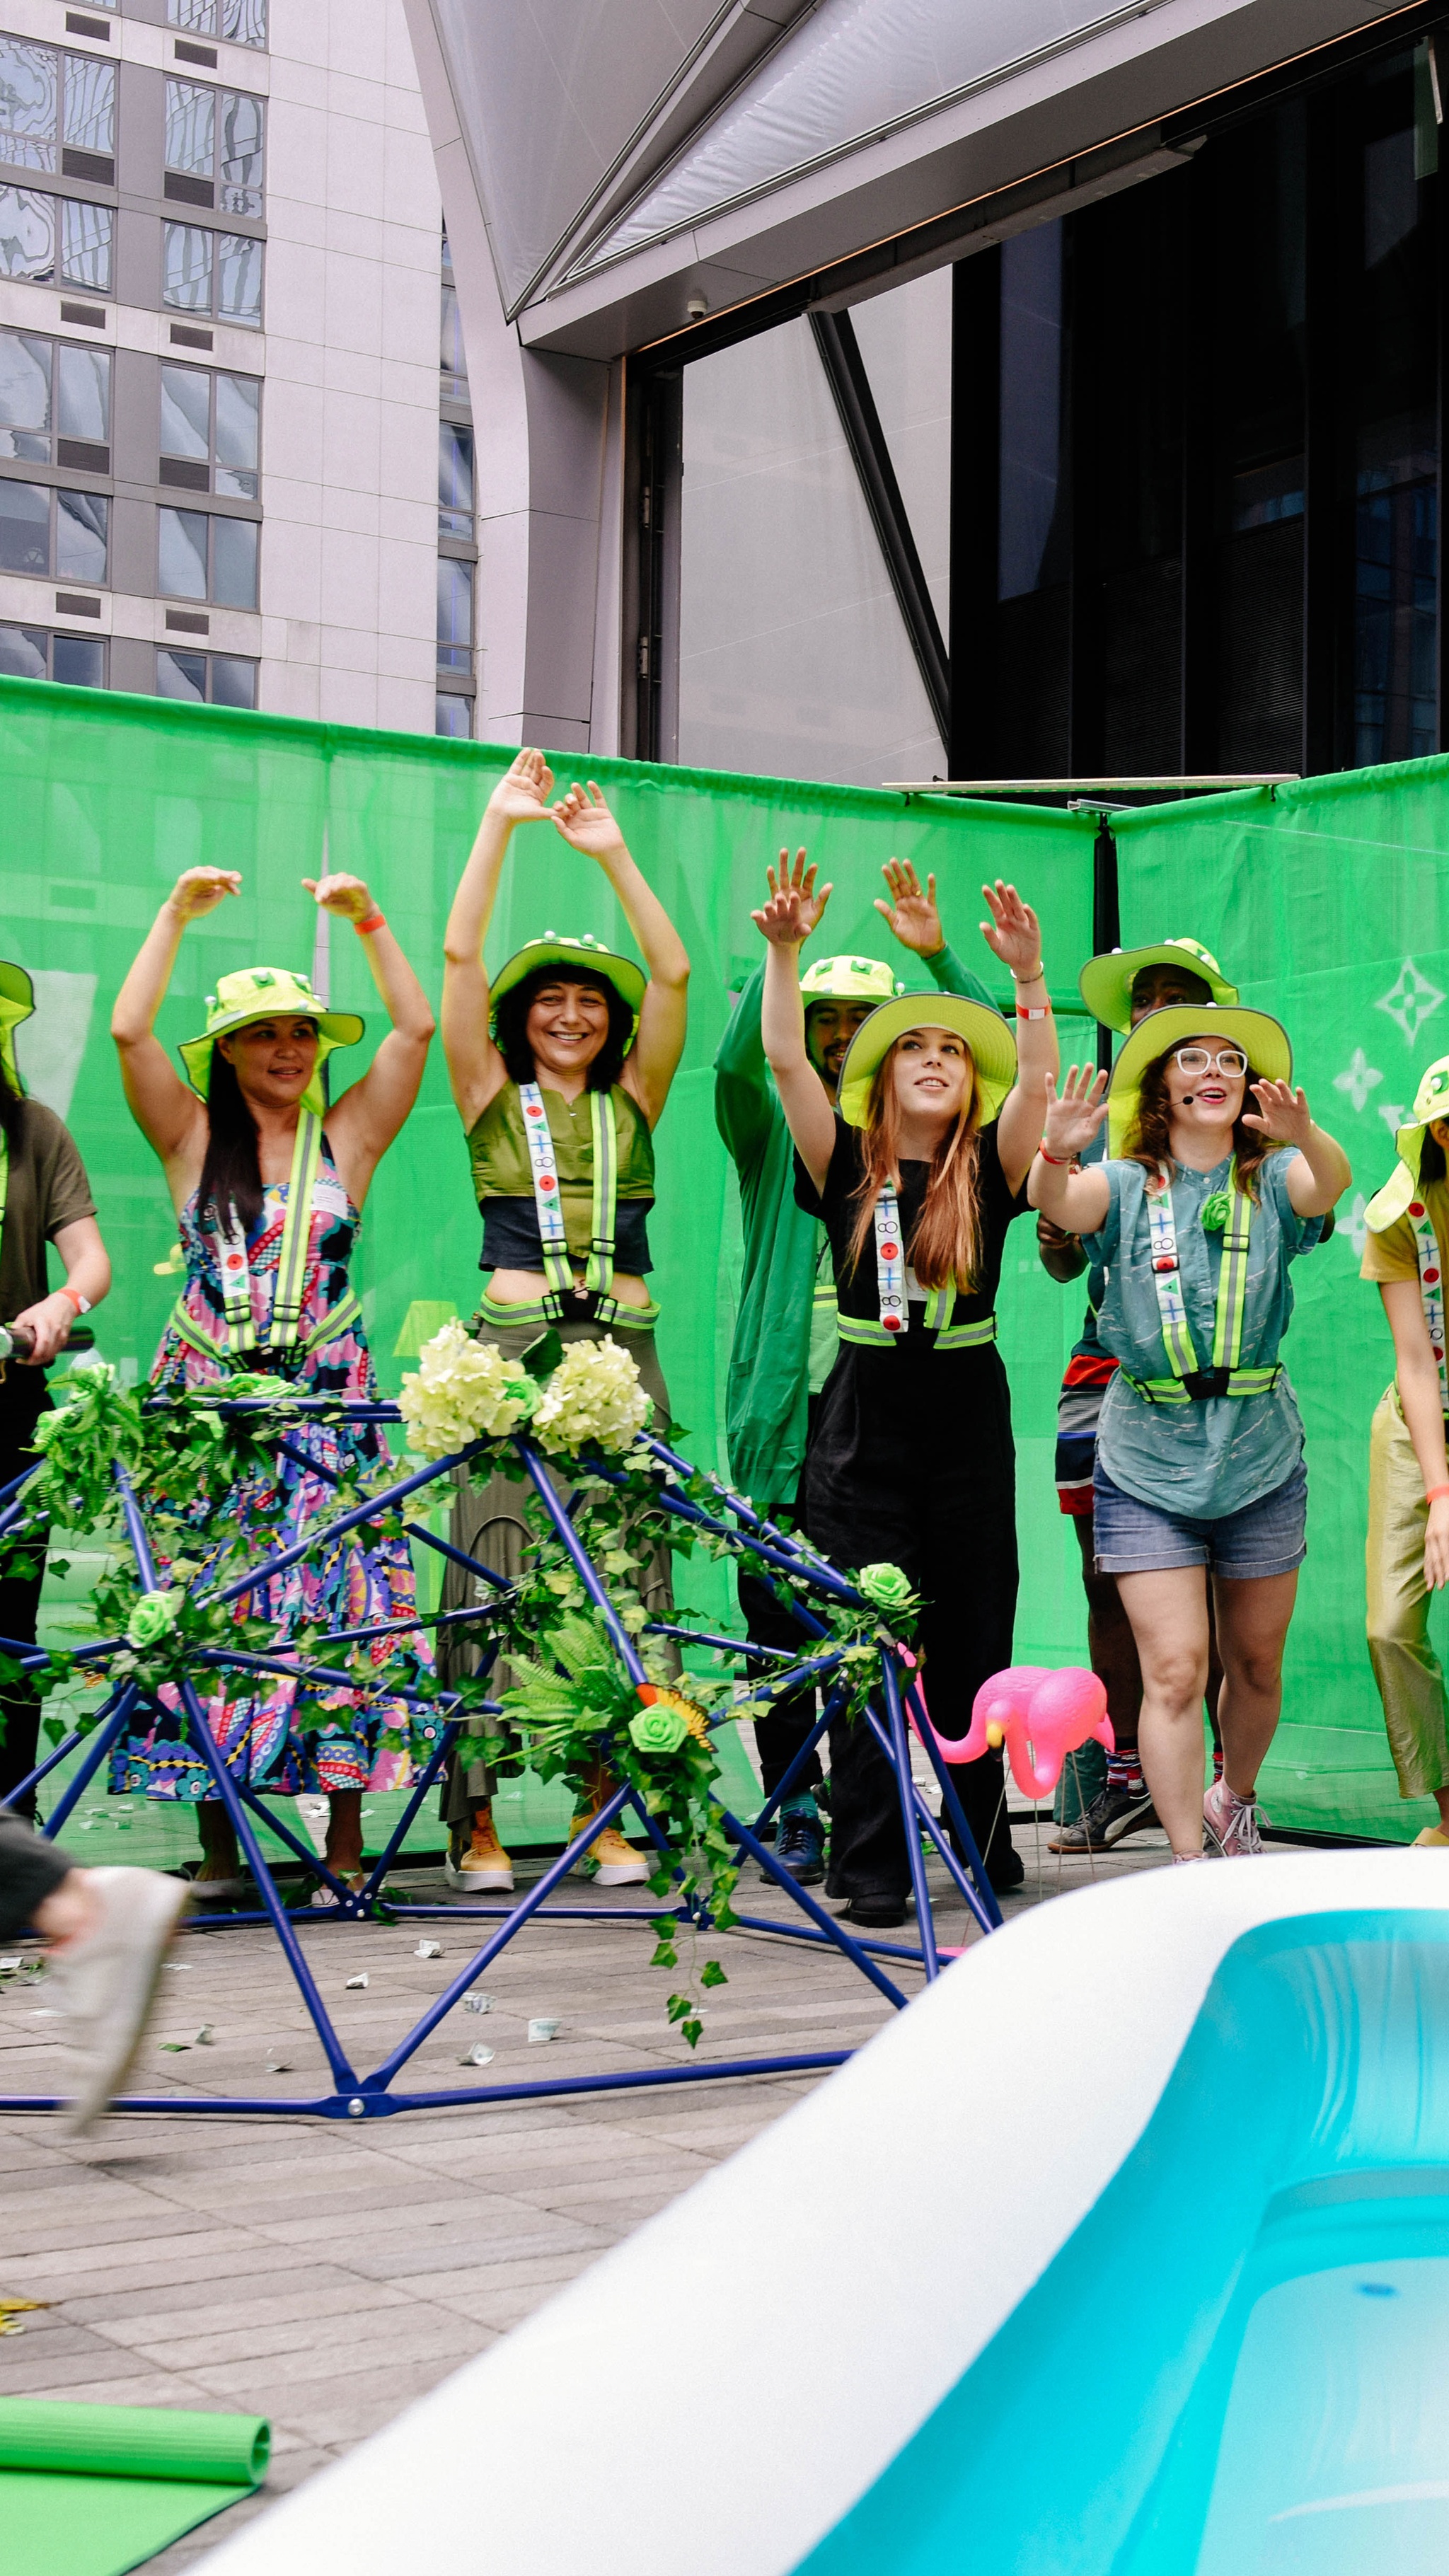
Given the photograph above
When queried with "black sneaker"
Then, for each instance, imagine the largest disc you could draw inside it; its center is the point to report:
(800, 1846)
(876, 1913)
(1112, 1813)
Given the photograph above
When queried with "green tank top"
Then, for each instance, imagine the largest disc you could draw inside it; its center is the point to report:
(498, 1152)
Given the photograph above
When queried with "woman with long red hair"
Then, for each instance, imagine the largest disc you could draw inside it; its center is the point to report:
(916, 1176)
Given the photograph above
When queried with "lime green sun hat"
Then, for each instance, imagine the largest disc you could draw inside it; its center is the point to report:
(585, 953)
(1106, 982)
(992, 1044)
(17, 1003)
(1395, 1199)
(848, 979)
(1263, 1039)
(267, 993)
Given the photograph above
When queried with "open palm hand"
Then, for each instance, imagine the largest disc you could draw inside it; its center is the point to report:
(587, 824)
(912, 915)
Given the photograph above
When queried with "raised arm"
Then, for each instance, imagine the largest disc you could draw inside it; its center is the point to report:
(168, 1113)
(476, 1071)
(363, 1122)
(1077, 1201)
(1418, 1376)
(585, 822)
(1013, 934)
(1320, 1171)
(785, 922)
(914, 919)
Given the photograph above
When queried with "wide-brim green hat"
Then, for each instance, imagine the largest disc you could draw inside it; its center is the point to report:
(17, 1002)
(992, 1044)
(1431, 1101)
(848, 979)
(585, 957)
(1106, 982)
(267, 993)
(1264, 1041)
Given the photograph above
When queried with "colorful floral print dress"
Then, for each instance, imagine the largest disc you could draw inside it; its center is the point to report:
(292, 1737)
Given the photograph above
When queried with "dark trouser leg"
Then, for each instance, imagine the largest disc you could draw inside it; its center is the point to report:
(30, 1868)
(971, 1583)
(20, 1702)
(779, 1736)
(1111, 1646)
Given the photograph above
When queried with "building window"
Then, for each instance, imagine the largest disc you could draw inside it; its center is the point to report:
(55, 402)
(214, 148)
(240, 22)
(214, 273)
(29, 653)
(454, 716)
(209, 425)
(455, 480)
(455, 614)
(206, 556)
(207, 679)
(57, 112)
(56, 241)
(53, 533)
(452, 363)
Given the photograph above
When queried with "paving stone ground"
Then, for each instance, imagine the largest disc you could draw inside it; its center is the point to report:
(325, 2274)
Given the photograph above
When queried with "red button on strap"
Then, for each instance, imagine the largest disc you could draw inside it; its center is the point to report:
(892, 1323)
(1416, 1207)
(890, 1252)
(1430, 1278)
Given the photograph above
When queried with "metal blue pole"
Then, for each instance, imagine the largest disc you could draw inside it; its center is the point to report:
(803, 1898)
(623, 1643)
(986, 1904)
(802, 1753)
(964, 1885)
(102, 1739)
(426, 1538)
(905, 1789)
(325, 1531)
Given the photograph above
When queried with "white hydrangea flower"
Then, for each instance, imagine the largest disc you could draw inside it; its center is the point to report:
(593, 1394)
(460, 1391)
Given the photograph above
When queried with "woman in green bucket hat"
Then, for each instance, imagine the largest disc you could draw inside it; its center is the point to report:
(560, 1070)
(269, 1180)
(1195, 1217)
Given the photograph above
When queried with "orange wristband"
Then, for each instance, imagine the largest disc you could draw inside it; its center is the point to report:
(79, 1304)
(1434, 1493)
(374, 921)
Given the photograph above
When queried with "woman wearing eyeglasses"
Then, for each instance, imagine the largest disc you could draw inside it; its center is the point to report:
(1195, 1216)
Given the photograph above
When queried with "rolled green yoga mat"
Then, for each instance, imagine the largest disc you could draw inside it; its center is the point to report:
(94, 2490)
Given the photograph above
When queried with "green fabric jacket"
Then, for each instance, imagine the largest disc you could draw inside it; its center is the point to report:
(769, 1373)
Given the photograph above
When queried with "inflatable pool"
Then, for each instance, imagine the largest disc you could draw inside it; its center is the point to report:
(1125, 2249)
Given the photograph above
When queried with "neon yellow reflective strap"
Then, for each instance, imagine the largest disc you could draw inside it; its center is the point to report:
(538, 1312)
(1233, 1276)
(345, 1313)
(1232, 1293)
(1170, 1390)
(291, 1279)
(955, 1337)
(1167, 1277)
(967, 1337)
(939, 1302)
(543, 1163)
(603, 1209)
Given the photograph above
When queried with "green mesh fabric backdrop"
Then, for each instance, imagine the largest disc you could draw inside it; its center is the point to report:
(1325, 903)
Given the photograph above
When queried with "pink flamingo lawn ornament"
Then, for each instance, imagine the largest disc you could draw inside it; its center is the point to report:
(1041, 1715)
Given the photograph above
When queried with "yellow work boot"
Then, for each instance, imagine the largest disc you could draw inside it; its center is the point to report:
(485, 1864)
(618, 1864)
(1433, 1838)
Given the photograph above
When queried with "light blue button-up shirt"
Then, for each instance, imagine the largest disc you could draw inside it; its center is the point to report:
(1213, 1458)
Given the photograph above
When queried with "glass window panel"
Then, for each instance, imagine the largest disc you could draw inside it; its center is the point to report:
(455, 480)
(239, 279)
(197, 16)
(234, 562)
(451, 359)
(190, 128)
(22, 653)
(233, 682)
(182, 553)
(186, 413)
(28, 104)
(83, 392)
(455, 614)
(86, 245)
(241, 154)
(454, 716)
(24, 527)
(186, 268)
(24, 397)
(80, 661)
(27, 234)
(237, 403)
(181, 675)
(90, 104)
(905, 342)
(244, 22)
(80, 536)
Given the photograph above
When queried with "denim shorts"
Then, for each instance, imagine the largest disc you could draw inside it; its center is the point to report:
(1268, 1537)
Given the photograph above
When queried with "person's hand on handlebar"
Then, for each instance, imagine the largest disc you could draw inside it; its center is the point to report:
(50, 1322)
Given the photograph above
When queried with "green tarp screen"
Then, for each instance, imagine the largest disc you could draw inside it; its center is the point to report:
(1325, 902)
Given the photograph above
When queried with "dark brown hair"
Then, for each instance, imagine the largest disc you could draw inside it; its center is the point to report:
(946, 1244)
(1431, 1159)
(231, 1175)
(1149, 1136)
(12, 1101)
(510, 1025)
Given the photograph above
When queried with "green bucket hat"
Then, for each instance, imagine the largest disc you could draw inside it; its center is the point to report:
(629, 981)
(993, 1048)
(1395, 1199)
(1263, 1039)
(266, 993)
(848, 979)
(1106, 982)
(17, 1002)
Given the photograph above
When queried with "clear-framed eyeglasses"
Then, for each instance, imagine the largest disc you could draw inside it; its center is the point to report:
(1229, 1061)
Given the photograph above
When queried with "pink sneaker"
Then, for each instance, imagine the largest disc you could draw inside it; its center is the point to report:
(1231, 1823)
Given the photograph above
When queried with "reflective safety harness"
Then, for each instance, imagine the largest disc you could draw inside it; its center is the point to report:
(892, 1299)
(1188, 1383)
(557, 1267)
(283, 1327)
(1431, 1289)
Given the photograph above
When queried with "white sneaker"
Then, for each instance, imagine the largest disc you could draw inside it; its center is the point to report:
(105, 1984)
(619, 1865)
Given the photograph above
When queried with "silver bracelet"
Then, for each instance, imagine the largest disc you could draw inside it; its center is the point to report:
(1037, 975)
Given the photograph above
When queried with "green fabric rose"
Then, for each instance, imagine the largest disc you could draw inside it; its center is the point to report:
(154, 1617)
(1215, 1212)
(657, 1730)
(885, 1587)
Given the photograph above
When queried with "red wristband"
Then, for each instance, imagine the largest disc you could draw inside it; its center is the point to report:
(1434, 1492)
(1061, 1163)
(79, 1304)
(1043, 1011)
(374, 921)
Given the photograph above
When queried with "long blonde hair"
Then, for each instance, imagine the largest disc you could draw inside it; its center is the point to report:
(946, 1244)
